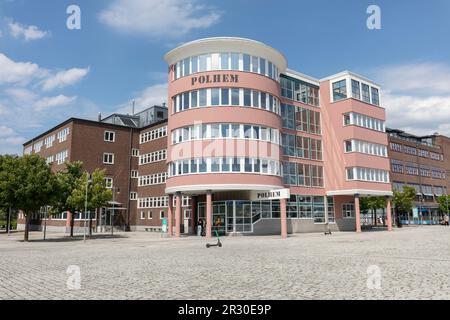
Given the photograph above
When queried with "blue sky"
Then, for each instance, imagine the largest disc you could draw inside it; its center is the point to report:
(49, 73)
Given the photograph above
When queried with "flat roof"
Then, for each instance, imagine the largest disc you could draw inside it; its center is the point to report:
(91, 122)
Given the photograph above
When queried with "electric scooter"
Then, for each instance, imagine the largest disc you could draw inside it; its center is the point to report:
(218, 244)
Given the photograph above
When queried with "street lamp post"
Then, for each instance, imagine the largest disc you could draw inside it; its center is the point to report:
(85, 206)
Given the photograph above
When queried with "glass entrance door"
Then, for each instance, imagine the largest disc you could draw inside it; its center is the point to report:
(219, 218)
(243, 213)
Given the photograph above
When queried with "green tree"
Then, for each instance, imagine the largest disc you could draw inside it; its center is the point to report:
(373, 204)
(98, 195)
(67, 181)
(7, 163)
(403, 200)
(28, 184)
(444, 203)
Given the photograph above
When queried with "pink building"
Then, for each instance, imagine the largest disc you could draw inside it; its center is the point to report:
(262, 149)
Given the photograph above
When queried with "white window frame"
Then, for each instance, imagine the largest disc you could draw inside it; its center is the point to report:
(353, 211)
(111, 185)
(108, 155)
(108, 134)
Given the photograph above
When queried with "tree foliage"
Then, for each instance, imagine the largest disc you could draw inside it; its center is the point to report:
(26, 183)
(444, 203)
(403, 200)
(67, 181)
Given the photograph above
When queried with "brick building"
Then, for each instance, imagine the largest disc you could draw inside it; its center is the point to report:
(117, 144)
(420, 162)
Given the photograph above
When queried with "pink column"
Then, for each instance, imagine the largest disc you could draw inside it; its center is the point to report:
(283, 218)
(177, 215)
(194, 214)
(170, 216)
(357, 214)
(388, 214)
(208, 213)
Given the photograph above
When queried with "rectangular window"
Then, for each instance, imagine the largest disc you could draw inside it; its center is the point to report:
(348, 210)
(109, 136)
(235, 61)
(375, 96)
(202, 63)
(224, 61)
(215, 96)
(339, 90)
(225, 97)
(255, 64)
(235, 97)
(108, 158)
(246, 60)
(194, 64)
(194, 99)
(247, 97)
(365, 93)
(109, 183)
(236, 167)
(262, 66)
(356, 89)
(202, 98)
(133, 195)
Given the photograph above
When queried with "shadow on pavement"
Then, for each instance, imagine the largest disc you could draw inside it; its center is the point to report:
(77, 238)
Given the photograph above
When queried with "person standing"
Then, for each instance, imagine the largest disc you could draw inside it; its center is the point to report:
(446, 220)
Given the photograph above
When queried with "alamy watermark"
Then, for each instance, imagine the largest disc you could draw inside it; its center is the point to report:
(374, 20)
(73, 22)
(374, 277)
(74, 280)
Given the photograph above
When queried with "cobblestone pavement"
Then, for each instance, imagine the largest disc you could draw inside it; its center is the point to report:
(414, 263)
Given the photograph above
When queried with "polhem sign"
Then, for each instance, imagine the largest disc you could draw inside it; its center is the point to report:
(270, 194)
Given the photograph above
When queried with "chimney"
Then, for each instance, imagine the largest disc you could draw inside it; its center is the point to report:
(132, 107)
(99, 117)
(164, 104)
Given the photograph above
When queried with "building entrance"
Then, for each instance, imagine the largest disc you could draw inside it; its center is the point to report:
(229, 216)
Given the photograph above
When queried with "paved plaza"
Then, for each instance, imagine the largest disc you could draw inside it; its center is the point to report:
(412, 263)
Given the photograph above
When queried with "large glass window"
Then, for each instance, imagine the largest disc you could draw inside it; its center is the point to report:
(288, 116)
(225, 61)
(339, 90)
(289, 173)
(356, 88)
(375, 96)
(365, 93)
(298, 90)
(221, 97)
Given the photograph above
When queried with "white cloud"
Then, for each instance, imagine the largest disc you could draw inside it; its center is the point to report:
(6, 131)
(26, 106)
(168, 18)
(16, 72)
(421, 78)
(64, 78)
(48, 102)
(18, 30)
(153, 95)
(417, 97)
(8, 138)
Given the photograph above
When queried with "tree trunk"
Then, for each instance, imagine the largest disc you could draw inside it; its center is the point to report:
(27, 226)
(90, 225)
(7, 220)
(374, 215)
(72, 222)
